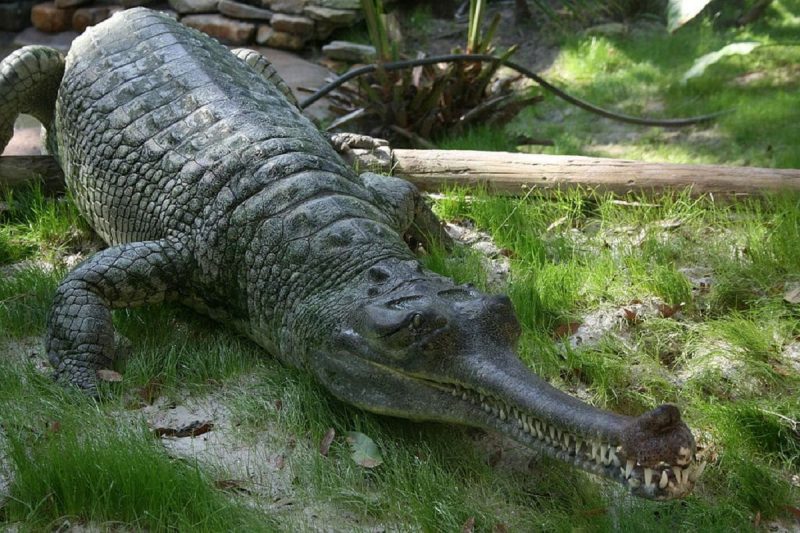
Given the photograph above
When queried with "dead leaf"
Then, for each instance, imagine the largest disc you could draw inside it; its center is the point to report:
(667, 311)
(757, 519)
(232, 485)
(507, 252)
(284, 502)
(365, 451)
(278, 461)
(278, 405)
(193, 429)
(325, 445)
(54, 426)
(500, 528)
(794, 510)
(565, 330)
(631, 316)
(557, 223)
(110, 376)
(469, 525)
(792, 294)
(670, 223)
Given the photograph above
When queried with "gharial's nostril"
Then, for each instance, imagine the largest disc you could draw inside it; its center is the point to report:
(378, 274)
(663, 416)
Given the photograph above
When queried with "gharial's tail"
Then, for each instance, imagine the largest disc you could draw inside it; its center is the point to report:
(29, 80)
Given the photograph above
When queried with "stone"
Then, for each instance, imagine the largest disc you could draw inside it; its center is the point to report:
(170, 13)
(48, 18)
(350, 52)
(227, 30)
(193, 6)
(339, 4)
(292, 7)
(135, 3)
(91, 15)
(15, 16)
(239, 10)
(336, 16)
(278, 39)
(70, 3)
(60, 41)
(324, 29)
(302, 26)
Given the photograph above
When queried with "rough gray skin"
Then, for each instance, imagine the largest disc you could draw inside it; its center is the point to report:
(212, 190)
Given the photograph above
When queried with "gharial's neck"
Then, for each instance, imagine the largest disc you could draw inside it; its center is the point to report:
(321, 307)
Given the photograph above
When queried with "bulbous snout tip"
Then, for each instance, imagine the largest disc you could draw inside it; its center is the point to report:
(660, 435)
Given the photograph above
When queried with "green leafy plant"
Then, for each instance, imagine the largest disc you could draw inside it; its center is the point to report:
(418, 106)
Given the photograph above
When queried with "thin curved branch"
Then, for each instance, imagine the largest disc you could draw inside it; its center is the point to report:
(484, 58)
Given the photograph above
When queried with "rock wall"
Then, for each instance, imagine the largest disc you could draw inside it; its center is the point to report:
(286, 24)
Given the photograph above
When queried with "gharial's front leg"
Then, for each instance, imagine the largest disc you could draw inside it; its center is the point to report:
(411, 215)
(80, 338)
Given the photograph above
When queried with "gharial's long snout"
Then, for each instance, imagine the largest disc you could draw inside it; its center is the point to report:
(653, 454)
(429, 350)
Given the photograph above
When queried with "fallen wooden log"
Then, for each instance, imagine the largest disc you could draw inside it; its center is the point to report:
(16, 170)
(512, 173)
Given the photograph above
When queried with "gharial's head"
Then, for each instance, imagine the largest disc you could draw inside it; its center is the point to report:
(415, 345)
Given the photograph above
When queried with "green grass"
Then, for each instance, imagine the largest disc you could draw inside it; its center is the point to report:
(639, 73)
(32, 226)
(73, 459)
(599, 254)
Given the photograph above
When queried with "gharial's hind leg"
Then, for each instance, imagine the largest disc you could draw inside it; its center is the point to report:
(267, 71)
(29, 81)
(80, 337)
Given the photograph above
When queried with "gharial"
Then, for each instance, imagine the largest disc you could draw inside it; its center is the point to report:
(212, 190)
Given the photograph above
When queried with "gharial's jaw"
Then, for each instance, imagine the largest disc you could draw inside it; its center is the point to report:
(653, 454)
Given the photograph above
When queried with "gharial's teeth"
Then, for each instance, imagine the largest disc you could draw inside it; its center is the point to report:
(605, 454)
(685, 477)
(552, 433)
(502, 414)
(629, 467)
(664, 480)
(613, 457)
(487, 408)
(677, 471)
(464, 396)
(648, 477)
(578, 444)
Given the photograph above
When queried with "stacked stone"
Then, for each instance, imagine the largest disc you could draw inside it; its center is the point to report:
(286, 24)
